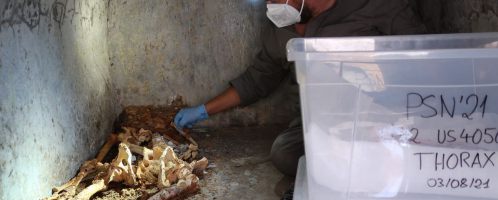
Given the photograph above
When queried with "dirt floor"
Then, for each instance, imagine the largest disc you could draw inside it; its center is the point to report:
(243, 169)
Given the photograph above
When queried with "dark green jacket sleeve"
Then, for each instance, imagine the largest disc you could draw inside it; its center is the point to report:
(269, 68)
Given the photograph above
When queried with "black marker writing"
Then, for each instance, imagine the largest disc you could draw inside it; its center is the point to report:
(444, 161)
(432, 105)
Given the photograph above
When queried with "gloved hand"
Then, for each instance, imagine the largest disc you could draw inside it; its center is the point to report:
(189, 116)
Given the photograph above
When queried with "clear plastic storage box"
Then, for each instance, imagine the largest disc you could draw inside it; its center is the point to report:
(399, 117)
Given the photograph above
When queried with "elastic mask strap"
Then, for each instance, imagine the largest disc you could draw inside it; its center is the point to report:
(302, 6)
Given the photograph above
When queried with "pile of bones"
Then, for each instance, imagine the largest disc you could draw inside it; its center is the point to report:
(136, 166)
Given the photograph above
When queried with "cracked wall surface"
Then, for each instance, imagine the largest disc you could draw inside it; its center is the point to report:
(56, 100)
(190, 48)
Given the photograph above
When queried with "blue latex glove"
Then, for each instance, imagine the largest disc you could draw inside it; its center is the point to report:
(189, 116)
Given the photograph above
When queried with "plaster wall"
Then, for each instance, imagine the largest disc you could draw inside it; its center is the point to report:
(56, 97)
(160, 49)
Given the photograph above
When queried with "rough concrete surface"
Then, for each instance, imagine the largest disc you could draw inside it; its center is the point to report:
(459, 16)
(56, 101)
(470, 16)
(243, 170)
(191, 48)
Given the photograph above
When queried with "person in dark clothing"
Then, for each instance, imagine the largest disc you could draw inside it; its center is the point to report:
(302, 18)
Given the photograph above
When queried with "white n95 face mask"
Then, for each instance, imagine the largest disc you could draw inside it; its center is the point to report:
(283, 14)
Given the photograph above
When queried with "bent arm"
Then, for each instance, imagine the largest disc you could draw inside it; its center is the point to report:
(224, 101)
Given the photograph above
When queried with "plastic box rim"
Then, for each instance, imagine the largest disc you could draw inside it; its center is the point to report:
(406, 47)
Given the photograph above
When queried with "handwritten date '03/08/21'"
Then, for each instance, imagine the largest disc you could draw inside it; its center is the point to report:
(455, 183)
